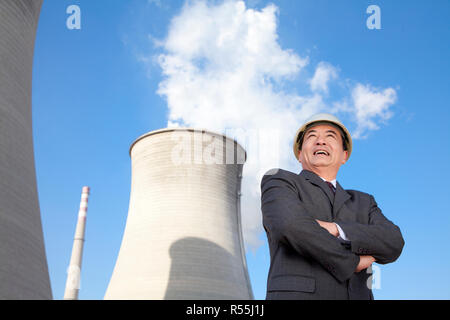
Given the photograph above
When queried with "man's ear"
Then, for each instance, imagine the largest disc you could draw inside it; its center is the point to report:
(345, 157)
(298, 155)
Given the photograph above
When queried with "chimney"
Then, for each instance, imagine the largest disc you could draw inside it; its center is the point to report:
(74, 270)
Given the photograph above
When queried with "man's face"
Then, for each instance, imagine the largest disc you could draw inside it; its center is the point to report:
(322, 149)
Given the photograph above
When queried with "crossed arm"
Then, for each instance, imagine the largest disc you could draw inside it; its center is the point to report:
(287, 220)
(365, 261)
(380, 238)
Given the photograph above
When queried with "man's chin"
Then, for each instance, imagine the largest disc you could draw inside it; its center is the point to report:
(321, 164)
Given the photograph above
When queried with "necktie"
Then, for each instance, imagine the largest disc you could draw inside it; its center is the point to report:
(331, 186)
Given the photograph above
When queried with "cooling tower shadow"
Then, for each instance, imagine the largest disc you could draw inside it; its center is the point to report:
(203, 270)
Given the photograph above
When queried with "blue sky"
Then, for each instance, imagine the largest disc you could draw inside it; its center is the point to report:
(95, 90)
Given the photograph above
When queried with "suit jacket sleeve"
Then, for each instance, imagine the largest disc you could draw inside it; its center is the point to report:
(287, 221)
(380, 238)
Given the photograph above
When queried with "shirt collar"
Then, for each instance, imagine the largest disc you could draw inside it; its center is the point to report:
(332, 181)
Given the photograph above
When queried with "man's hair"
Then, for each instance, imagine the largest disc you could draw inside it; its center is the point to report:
(302, 134)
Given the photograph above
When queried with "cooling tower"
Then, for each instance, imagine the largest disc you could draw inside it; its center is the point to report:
(183, 237)
(23, 264)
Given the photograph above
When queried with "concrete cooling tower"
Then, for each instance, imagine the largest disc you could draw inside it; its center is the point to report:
(183, 237)
(23, 264)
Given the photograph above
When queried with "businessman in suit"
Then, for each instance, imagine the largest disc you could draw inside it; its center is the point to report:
(323, 239)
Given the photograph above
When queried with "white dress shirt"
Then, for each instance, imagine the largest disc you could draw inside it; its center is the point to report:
(341, 232)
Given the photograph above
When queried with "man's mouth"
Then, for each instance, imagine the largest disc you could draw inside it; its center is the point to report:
(321, 152)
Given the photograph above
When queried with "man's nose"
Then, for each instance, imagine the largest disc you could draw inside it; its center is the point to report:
(320, 140)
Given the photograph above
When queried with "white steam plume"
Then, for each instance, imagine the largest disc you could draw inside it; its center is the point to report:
(222, 65)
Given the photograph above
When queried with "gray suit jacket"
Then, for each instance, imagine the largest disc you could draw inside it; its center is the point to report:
(306, 261)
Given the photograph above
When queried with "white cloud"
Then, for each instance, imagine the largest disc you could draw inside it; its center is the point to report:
(371, 102)
(222, 65)
(324, 73)
(367, 106)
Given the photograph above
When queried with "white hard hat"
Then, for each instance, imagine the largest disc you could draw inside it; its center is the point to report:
(316, 120)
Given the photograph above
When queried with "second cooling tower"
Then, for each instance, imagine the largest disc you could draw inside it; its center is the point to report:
(183, 237)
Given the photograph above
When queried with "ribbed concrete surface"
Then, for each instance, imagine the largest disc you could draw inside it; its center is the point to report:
(183, 236)
(23, 263)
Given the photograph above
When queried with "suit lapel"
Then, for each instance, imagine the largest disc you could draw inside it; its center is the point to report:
(337, 199)
(317, 181)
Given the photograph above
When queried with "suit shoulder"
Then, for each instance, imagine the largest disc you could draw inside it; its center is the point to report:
(278, 174)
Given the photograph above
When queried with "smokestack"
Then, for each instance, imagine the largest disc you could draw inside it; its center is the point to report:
(74, 270)
(183, 237)
(23, 262)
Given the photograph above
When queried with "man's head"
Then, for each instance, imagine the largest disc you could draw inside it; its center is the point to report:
(322, 145)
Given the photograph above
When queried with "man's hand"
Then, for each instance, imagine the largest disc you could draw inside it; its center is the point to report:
(330, 226)
(364, 263)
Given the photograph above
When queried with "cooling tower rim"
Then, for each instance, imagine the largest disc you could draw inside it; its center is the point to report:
(164, 130)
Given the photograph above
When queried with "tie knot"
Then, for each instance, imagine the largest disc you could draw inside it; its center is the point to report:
(331, 186)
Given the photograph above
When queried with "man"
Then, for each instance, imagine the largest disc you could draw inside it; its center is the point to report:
(323, 239)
